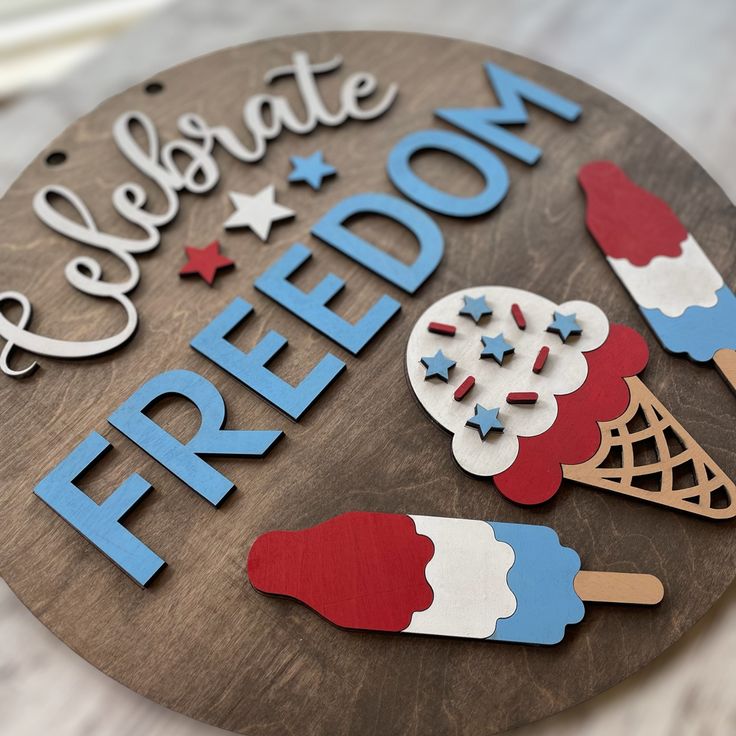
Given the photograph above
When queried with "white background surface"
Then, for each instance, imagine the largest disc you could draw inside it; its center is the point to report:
(672, 60)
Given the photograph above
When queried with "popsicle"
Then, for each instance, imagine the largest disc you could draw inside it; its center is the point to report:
(676, 287)
(439, 576)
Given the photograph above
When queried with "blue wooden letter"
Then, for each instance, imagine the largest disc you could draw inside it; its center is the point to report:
(100, 523)
(437, 200)
(431, 245)
(250, 368)
(311, 307)
(182, 459)
(511, 91)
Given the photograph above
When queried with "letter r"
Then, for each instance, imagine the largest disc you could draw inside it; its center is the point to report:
(182, 459)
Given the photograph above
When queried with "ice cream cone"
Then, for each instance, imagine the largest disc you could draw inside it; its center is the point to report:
(646, 453)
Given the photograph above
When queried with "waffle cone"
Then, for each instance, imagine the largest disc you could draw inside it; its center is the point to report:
(646, 453)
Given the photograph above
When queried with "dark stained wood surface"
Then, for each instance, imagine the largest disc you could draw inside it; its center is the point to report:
(200, 640)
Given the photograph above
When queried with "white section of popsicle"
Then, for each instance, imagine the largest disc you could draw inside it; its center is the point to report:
(672, 284)
(468, 577)
(564, 372)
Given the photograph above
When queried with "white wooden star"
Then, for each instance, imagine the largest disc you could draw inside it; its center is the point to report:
(257, 211)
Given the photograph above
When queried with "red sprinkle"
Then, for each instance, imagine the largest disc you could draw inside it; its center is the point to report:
(518, 316)
(463, 388)
(442, 329)
(522, 397)
(541, 359)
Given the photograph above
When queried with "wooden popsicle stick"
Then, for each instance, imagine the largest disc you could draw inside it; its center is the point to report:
(725, 360)
(618, 587)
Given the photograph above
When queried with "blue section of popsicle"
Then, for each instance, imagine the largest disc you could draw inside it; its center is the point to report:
(698, 331)
(541, 578)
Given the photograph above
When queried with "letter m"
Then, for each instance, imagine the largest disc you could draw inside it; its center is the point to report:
(511, 91)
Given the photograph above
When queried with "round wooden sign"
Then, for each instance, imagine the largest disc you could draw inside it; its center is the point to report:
(401, 164)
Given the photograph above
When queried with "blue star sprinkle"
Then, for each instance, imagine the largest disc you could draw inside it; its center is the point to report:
(496, 348)
(485, 421)
(311, 169)
(438, 365)
(565, 325)
(475, 307)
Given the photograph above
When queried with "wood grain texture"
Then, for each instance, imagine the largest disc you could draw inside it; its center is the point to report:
(199, 641)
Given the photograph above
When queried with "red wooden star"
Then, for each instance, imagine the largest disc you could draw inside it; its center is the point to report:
(205, 261)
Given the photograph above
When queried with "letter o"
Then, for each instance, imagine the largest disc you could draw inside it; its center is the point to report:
(486, 162)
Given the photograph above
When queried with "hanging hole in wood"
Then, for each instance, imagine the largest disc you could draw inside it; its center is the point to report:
(55, 158)
(153, 88)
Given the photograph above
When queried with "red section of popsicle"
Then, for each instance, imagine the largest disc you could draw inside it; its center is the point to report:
(358, 570)
(464, 387)
(536, 475)
(626, 220)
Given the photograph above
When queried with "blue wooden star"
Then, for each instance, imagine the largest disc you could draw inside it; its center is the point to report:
(496, 348)
(311, 169)
(485, 421)
(438, 365)
(565, 325)
(475, 307)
